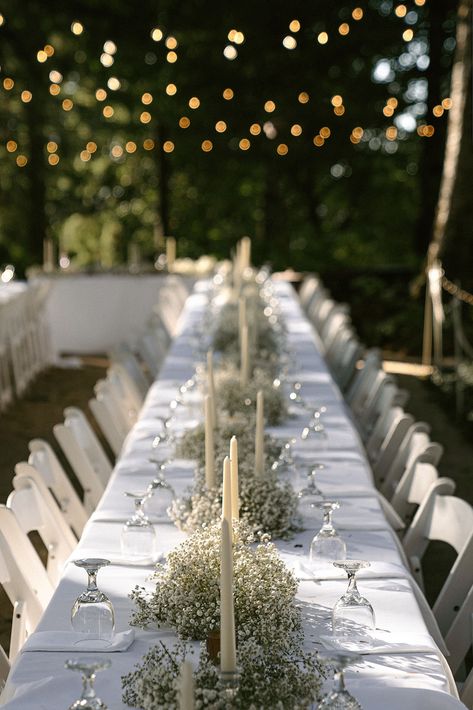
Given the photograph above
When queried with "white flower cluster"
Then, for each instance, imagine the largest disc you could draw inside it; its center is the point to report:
(234, 398)
(187, 591)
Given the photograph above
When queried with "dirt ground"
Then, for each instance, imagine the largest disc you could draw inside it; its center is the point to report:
(36, 413)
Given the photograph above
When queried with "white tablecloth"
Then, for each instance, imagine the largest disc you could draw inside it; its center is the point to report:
(412, 677)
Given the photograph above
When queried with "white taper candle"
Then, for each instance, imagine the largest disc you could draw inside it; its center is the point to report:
(234, 478)
(209, 444)
(259, 435)
(186, 687)
(211, 386)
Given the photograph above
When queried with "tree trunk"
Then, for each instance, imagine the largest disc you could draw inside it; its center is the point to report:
(430, 164)
(452, 233)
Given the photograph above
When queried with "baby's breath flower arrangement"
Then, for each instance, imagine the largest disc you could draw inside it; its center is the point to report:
(234, 398)
(278, 679)
(267, 506)
(187, 592)
(226, 336)
(192, 443)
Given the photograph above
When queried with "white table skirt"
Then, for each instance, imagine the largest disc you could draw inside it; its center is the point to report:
(415, 679)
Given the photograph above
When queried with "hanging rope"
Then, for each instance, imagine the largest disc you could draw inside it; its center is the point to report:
(456, 291)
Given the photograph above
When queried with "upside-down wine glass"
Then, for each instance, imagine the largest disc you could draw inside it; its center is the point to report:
(339, 698)
(138, 537)
(310, 493)
(160, 496)
(353, 616)
(88, 667)
(92, 612)
(327, 545)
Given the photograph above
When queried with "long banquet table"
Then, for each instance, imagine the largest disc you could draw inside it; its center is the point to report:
(404, 670)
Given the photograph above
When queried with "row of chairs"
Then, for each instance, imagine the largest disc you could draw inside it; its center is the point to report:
(418, 502)
(45, 501)
(25, 347)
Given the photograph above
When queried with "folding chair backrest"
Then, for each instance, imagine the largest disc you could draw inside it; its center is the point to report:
(79, 424)
(124, 356)
(152, 348)
(361, 386)
(105, 415)
(416, 442)
(4, 670)
(459, 637)
(447, 519)
(387, 435)
(43, 458)
(127, 396)
(36, 510)
(413, 487)
(308, 288)
(23, 577)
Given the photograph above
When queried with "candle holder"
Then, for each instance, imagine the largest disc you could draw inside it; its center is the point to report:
(230, 681)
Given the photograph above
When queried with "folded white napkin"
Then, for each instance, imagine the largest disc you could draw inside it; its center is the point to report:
(381, 642)
(77, 642)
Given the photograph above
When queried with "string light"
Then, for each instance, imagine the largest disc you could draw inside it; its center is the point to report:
(156, 34)
(171, 89)
(106, 60)
(130, 147)
(85, 156)
(282, 149)
(318, 141)
(357, 13)
(228, 94)
(109, 47)
(49, 49)
(325, 132)
(289, 42)
(113, 83)
(8, 83)
(419, 3)
(303, 97)
(194, 102)
(392, 102)
(77, 28)
(2, 20)
(400, 11)
(117, 151)
(55, 76)
(294, 26)
(171, 57)
(230, 52)
(296, 130)
(322, 38)
(344, 29)
(339, 110)
(391, 133)
(269, 106)
(336, 100)
(358, 132)
(255, 129)
(26, 96)
(231, 35)
(425, 131)
(100, 94)
(91, 146)
(239, 38)
(54, 89)
(438, 111)
(51, 146)
(67, 104)
(145, 117)
(220, 126)
(171, 42)
(207, 146)
(148, 144)
(447, 103)
(21, 161)
(147, 98)
(184, 122)
(244, 144)
(168, 146)
(41, 56)
(53, 159)
(12, 146)
(407, 35)
(108, 111)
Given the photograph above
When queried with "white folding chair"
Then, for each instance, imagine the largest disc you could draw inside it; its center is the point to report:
(152, 348)
(360, 386)
(443, 518)
(123, 355)
(36, 510)
(125, 393)
(387, 436)
(415, 485)
(23, 577)
(415, 444)
(109, 416)
(43, 458)
(85, 455)
(4, 671)
(308, 287)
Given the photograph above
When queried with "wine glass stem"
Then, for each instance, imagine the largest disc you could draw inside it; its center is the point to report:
(352, 588)
(92, 580)
(139, 508)
(339, 682)
(327, 523)
(88, 691)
